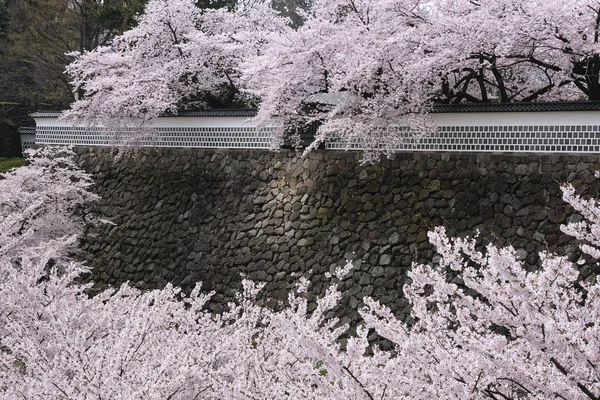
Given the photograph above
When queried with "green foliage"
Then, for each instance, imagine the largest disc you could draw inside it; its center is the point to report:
(31, 70)
(34, 40)
(6, 164)
(215, 4)
(114, 16)
(118, 17)
(4, 19)
(292, 9)
(319, 367)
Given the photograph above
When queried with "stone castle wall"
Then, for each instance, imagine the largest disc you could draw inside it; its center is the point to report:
(188, 215)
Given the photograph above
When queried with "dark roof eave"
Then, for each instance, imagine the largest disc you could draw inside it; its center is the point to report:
(437, 108)
(45, 114)
(248, 112)
(554, 106)
(242, 112)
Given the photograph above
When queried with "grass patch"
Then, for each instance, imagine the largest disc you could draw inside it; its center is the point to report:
(7, 164)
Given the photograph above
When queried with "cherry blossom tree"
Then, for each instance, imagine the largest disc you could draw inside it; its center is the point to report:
(383, 61)
(360, 54)
(503, 333)
(177, 56)
(497, 330)
(43, 201)
(516, 50)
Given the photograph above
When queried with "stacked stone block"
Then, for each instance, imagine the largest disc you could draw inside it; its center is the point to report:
(213, 216)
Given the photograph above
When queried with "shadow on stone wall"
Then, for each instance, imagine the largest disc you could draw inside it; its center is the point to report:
(189, 215)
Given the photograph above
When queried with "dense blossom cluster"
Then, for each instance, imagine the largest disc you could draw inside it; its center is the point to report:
(385, 62)
(43, 201)
(177, 56)
(501, 332)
